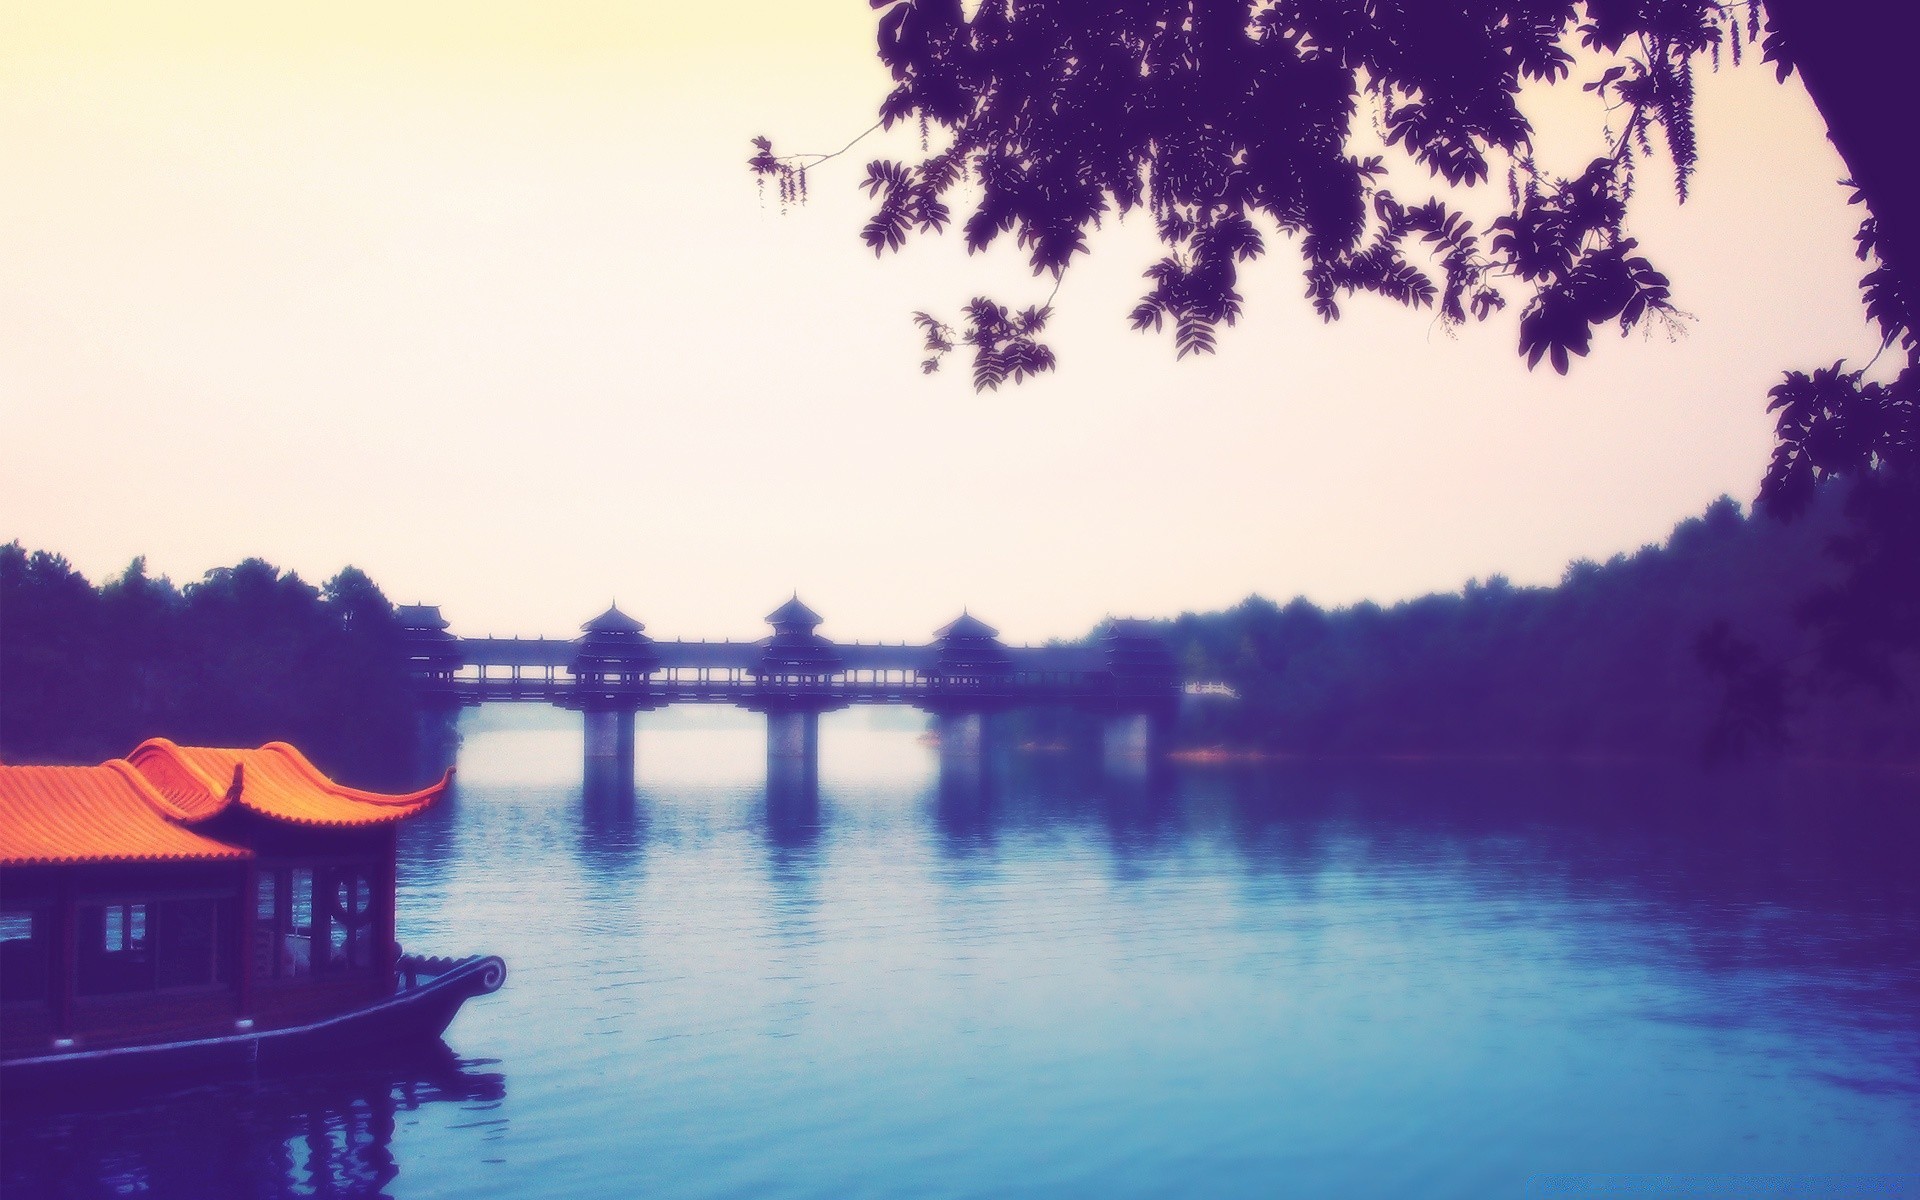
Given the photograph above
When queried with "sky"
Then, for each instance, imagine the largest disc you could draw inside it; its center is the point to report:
(481, 298)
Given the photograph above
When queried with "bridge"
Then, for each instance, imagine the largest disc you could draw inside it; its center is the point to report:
(613, 670)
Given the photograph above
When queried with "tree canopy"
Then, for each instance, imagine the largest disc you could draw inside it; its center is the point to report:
(245, 656)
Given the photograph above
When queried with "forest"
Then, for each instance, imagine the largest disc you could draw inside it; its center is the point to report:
(1698, 647)
(246, 655)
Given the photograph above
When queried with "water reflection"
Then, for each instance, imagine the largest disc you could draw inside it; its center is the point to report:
(964, 811)
(793, 817)
(614, 821)
(317, 1135)
(1352, 980)
(793, 827)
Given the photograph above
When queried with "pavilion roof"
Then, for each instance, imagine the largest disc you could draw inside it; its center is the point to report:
(275, 781)
(612, 621)
(793, 613)
(108, 813)
(966, 625)
(141, 808)
(421, 616)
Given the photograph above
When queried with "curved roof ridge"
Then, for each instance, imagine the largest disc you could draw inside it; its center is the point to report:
(151, 794)
(318, 777)
(221, 791)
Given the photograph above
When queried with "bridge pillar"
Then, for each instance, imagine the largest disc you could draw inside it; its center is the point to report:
(965, 742)
(793, 737)
(963, 736)
(607, 783)
(966, 752)
(610, 736)
(793, 756)
(1132, 743)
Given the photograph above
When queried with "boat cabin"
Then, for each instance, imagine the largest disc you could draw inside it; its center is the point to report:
(190, 891)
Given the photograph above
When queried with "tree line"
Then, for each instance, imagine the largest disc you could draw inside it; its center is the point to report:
(1692, 647)
(246, 655)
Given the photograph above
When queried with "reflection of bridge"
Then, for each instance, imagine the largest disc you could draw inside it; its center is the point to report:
(614, 670)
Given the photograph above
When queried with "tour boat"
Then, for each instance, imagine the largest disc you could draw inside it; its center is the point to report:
(190, 910)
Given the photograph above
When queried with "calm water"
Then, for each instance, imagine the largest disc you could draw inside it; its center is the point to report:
(1366, 981)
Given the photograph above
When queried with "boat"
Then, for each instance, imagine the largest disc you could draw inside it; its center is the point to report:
(416, 1015)
(189, 910)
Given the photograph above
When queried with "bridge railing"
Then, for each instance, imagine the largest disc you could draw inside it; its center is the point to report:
(744, 688)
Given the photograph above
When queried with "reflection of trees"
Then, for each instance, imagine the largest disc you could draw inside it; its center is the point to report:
(314, 1135)
(1803, 874)
(429, 844)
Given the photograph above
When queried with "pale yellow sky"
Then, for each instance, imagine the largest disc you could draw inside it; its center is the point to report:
(480, 298)
(553, 32)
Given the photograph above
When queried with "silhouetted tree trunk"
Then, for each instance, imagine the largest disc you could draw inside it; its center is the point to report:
(1856, 59)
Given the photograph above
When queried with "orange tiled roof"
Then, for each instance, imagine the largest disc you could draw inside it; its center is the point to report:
(138, 808)
(275, 781)
(108, 813)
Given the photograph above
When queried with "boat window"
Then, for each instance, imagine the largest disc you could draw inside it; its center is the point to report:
(23, 955)
(137, 947)
(287, 930)
(114, 954)
(312, 919)
(303, 900)
(124, 929)
(269, 896)
(350, 940)
(355, 892)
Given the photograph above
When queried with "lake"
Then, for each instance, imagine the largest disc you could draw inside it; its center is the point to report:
(1312, 980)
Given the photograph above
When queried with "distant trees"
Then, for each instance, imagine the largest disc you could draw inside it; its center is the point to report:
(1647, 654)
(249, 654)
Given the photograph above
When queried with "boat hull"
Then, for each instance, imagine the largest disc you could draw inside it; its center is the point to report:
(413, 1016)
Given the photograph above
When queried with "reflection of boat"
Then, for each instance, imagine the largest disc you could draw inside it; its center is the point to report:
(192, 908)
(417, 1013)
(329, 1131)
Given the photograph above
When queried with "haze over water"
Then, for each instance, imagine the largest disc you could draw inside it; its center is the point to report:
(1300, 980)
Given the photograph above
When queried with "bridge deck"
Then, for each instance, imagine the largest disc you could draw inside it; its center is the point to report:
(537, 670)
(854, 656)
